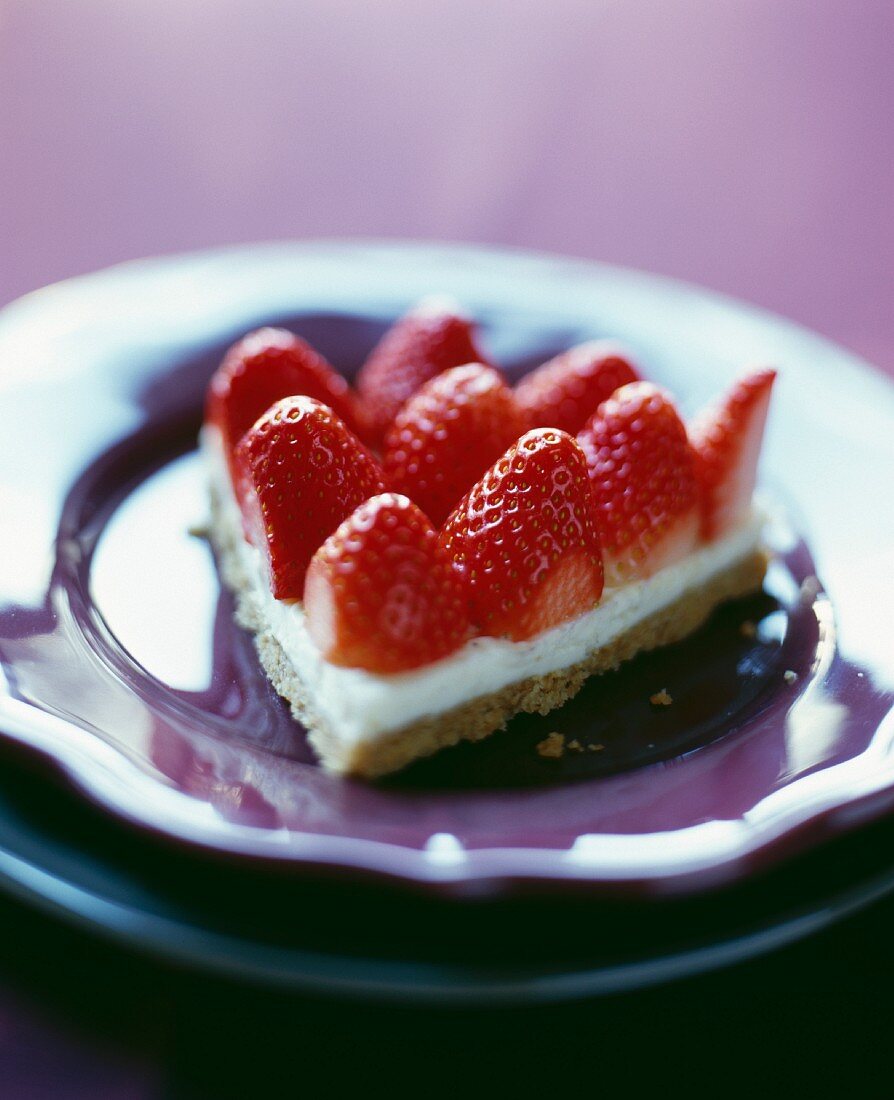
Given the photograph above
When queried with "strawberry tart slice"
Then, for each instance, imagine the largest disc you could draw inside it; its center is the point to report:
(426, 555)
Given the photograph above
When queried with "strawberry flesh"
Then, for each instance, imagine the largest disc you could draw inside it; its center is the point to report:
(524, 540)
(430, 339)
(567, 390)
(262, 368)
(726, 439)
(447, 435)
(643, 474)
(301, 472)
(380, 593)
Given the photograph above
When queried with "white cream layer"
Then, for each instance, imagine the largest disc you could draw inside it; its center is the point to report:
(361, 706)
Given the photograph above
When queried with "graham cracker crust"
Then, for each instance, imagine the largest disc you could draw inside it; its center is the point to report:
(477, 718)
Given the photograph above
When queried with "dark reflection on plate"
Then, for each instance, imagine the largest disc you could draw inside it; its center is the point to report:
(715, 679)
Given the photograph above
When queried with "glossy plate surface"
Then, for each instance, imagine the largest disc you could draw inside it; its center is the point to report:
(122, 663)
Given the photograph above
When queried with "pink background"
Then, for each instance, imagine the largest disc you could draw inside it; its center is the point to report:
(743, 144)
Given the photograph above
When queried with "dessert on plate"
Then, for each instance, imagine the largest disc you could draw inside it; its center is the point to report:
(431, 551)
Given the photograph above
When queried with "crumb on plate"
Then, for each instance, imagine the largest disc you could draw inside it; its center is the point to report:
(790, 676)
(552, 746)
(661, 698)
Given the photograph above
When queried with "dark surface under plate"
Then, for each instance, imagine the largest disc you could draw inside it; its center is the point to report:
(316, 937)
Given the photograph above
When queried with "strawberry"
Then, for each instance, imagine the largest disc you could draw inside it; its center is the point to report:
(567, 390)
(263, 367)
(447, 434)
(643, 475)
(524, 541)
(431, 338)
(380, 593)
(726, 438)
(301, 471)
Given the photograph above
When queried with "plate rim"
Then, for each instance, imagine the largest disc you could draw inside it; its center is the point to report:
(479, 870)
(162, 933)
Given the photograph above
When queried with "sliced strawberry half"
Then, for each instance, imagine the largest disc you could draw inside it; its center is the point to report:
(430, 339)
(726, 438)
(524, 539)
(447, 434)
(301, 472)
(380, 593)
(643, 474)
(567, 390)
(264, 367)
